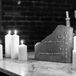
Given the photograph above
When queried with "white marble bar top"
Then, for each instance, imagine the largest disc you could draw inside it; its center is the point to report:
(36, 68)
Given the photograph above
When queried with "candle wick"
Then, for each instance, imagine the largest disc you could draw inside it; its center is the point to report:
(9, 32)
(15, 32)
(22, 42)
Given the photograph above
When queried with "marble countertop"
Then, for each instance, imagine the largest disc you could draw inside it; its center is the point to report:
(36, 68)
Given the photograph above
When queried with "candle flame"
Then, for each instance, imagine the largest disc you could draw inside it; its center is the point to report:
(15, 32)
(9, 32)
(22, 41)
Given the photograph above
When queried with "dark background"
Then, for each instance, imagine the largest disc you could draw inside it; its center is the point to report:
(34, 19)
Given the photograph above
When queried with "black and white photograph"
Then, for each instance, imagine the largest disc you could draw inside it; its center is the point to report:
(37, 38)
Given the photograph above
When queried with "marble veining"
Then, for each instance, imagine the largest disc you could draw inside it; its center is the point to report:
(37, 68)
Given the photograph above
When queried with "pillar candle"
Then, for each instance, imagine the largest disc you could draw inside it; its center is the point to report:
(1, 51)
(74, 60)
(67, 14)
(15, 45)
(74, 54)
(74, 38)
(22, 51)
(8, 38)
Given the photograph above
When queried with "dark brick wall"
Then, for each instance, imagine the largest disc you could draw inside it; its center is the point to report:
(35, 19)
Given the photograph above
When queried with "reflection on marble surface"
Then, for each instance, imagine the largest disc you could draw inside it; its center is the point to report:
(37, 68)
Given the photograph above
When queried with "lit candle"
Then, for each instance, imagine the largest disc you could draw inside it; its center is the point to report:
(67, 14)
(15, 45)
(22, 51)
(74, 54)
(74, 38)
(8, 38)
(74, 60)
(1, 51)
